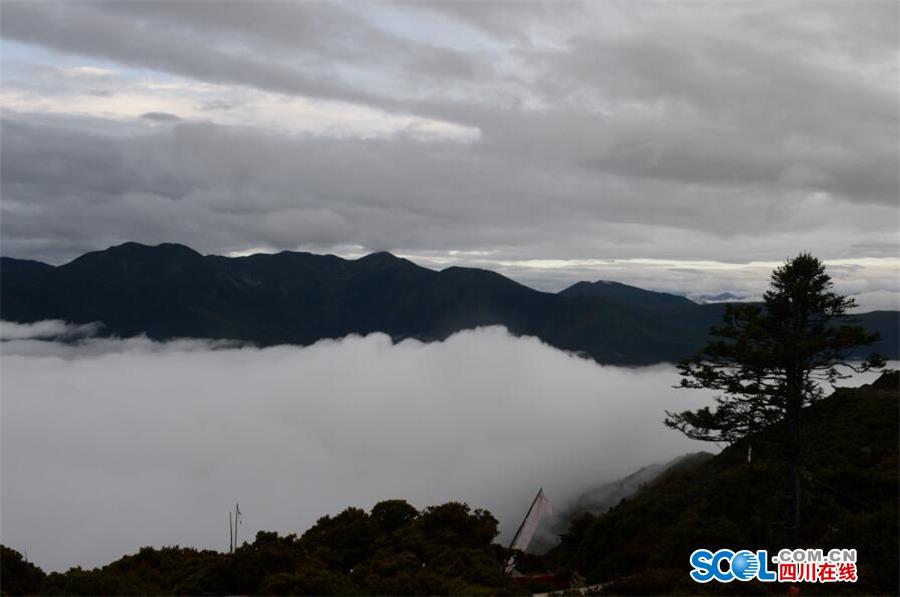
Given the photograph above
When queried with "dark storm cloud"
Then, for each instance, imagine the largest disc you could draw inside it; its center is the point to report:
(687, 131)
(225, 188)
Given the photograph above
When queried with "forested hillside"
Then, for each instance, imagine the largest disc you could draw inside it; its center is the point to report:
(851, 493)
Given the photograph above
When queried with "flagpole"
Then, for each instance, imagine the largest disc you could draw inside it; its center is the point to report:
(237, 522)
(527, 514)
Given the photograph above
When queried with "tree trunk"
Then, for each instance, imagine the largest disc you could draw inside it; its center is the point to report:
(794, 447)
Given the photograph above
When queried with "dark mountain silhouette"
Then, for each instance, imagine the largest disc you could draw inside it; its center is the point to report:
(171, 291)
(622, 293)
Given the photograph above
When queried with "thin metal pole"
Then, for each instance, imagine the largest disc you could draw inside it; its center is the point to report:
(237, 522)
(527, 514)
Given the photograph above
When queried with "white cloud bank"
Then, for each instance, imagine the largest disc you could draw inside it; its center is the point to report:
(46, 329)
(123, 443)
(108, 445)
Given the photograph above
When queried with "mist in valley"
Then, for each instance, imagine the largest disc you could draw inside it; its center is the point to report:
(111, 444)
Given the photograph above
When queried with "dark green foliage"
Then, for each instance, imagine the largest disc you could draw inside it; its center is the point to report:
(455, 525)
(298, 298)
(769, 360)
(18, 577)
(162, 571)
(343, 541)
(395, 550)
(391, 515)
(308, 578)
(851, 470)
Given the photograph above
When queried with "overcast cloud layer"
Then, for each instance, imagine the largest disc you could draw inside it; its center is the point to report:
(115, 444)
(555, 142)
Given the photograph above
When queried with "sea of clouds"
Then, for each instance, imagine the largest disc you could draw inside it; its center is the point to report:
(112, 444)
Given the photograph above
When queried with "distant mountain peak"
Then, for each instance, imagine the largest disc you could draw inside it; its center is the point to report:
(137, 253)
(132, 247)
(619, 292)
(380, 256)
(384, 259)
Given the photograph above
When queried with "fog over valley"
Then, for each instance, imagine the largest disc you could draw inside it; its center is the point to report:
(113, 444)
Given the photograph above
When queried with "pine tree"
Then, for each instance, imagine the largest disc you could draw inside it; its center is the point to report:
(771, 360)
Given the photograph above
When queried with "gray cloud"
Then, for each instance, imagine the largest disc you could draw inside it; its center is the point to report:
(217, 105)
(123, 443)
(81, 29)
(743, 132)
(227, 188)
(160, 117)
(47, 329)
(326, 41)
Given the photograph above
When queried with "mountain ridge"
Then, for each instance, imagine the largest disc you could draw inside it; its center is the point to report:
(170, 290)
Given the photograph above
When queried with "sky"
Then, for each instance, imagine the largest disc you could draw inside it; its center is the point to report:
(681, 146)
